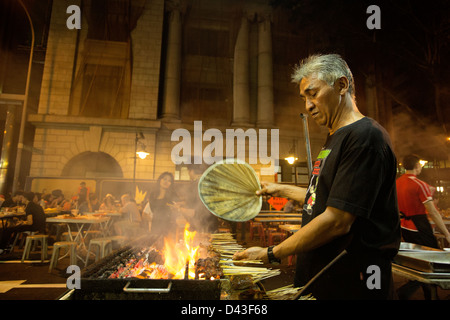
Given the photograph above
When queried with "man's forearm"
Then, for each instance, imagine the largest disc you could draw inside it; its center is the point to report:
(295, 193)
(282, 190)
(437, 219)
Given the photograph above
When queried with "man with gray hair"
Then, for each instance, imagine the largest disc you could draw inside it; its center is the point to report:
(350, 206)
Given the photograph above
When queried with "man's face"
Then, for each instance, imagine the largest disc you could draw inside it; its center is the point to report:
(321, 100)
(418, 168)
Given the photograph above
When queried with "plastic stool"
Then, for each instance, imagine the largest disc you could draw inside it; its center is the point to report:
(260, 229)
(272, 235)
(43, 238)
(70, 245)
(22, 236)
(58, 229)
(91, 234)
(104, 247)
(67, 237)
(115, 239)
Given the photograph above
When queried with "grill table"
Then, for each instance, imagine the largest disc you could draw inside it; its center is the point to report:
(433, 279)
(94, 285)
(423, 264)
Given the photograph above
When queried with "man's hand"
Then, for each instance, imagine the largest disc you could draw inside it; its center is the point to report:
(447, 237)
(253, 253)
(268, 188)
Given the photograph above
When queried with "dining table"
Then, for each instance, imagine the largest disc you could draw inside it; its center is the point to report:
(282, 214)
(279, 219)
(114, 216)
(79, 224)
(10, 215)
(292, 228)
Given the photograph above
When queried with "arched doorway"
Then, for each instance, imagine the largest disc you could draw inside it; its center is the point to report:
(92, 165)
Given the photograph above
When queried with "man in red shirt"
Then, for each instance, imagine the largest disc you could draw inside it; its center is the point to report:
(414, 201)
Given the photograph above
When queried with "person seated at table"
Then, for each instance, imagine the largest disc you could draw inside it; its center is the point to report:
(48, 198)
(13, 201)
(89, 206)
(130, 210)
(58, 200)
(94, 204)
(130, 225)
(38, 199)
(35, 221)
(108, 204)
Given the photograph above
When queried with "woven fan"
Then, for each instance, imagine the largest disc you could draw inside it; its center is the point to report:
(228, 189)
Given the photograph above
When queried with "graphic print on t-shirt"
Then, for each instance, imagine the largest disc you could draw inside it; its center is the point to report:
(311, 192)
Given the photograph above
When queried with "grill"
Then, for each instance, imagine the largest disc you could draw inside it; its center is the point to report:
(108, 279)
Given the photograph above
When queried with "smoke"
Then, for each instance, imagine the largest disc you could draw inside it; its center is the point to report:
(413, 133)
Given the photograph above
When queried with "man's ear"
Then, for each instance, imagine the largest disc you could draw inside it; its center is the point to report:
(342, 84)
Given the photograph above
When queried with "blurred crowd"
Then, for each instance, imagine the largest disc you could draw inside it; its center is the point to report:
(83, 201)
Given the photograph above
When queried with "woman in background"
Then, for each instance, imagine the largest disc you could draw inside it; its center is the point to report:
(159, 211)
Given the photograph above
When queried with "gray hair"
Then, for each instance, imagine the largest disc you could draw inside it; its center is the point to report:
(328, 68)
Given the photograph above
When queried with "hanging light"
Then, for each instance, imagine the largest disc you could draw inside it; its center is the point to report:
(142, 154)
(423, 162)
(140, 147)
(291, 159)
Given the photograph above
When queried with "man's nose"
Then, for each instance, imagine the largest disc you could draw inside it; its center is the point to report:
(309, 106)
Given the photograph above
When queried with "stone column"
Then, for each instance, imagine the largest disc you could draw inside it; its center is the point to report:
(8, 138)
(146, 45)
(172, 76)
(265, 72)
(241, 94)
(59, 62)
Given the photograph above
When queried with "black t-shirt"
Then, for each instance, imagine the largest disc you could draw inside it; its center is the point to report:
(355, 171)
(38, 216)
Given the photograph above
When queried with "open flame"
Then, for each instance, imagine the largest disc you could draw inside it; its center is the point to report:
(181, 257)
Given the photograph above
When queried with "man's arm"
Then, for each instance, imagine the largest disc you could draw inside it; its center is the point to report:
(283, 190)
(326, 227)
(437, 219)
